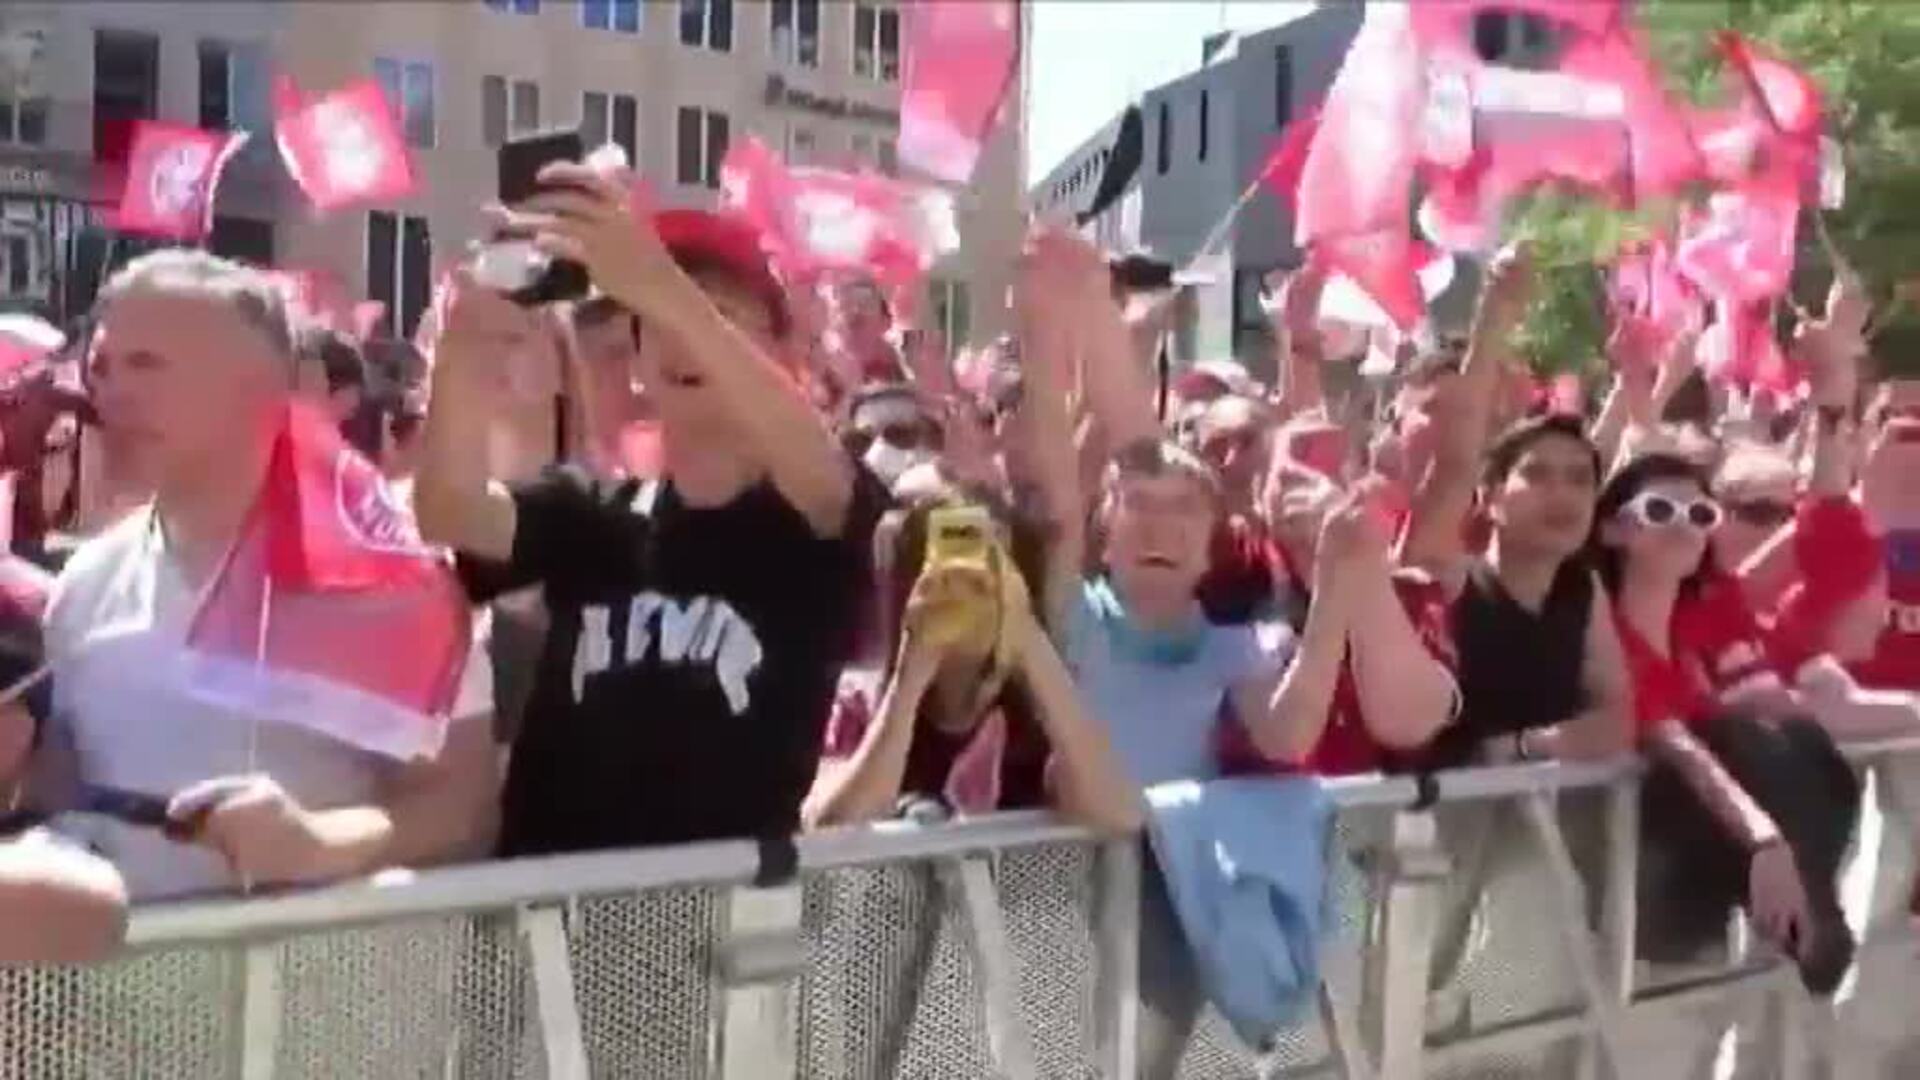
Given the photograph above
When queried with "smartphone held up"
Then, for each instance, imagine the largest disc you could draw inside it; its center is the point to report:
(511, 264)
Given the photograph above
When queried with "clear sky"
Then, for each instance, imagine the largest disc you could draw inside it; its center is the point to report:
(1091, 57)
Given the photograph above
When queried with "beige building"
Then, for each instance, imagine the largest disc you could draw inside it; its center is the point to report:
(673, 80)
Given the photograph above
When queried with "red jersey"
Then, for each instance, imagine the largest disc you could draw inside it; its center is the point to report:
(1714, 644)
(1896, 661)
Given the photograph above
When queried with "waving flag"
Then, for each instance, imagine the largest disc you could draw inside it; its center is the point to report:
(172, 173)
(962, 57)
(329, 613)
(1351, 205)
(818, 220)
(344, 147)
(1288, 159)
(1787, 97)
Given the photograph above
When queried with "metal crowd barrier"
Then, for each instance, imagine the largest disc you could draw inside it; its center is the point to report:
(1002, 946)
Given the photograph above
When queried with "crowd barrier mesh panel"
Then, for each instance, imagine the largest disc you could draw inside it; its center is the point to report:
(162, 1015)
(642, 974)
(892, 989)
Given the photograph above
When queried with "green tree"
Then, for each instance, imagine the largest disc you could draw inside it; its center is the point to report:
(1866, 56)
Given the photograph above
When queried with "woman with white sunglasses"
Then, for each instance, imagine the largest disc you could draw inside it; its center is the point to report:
(1748, 802)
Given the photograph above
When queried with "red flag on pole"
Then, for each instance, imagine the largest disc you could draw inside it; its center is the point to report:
(343, 147)
(1288, 160)
(329, 613)
(172, 174)
(962, 57)
(1786, 96)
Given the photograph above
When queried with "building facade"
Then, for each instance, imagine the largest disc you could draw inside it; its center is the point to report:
(1202, 140)
(673, 81)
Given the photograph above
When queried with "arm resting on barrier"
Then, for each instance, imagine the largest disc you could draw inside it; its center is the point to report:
(1085, 780)
(58, 905)
(1407, 694)
(865, 785)
(434, 811)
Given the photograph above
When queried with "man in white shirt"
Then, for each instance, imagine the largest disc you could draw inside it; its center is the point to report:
(191, 364)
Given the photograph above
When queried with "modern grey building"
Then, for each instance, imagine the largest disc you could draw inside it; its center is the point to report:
(1164, 173)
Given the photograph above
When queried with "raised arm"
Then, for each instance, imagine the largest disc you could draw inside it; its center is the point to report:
(1295, 316)
(1058, 275)
(591, 219)
(456, 502)
(1434, 540)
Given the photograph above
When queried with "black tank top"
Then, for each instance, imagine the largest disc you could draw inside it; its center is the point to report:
(1518, 669)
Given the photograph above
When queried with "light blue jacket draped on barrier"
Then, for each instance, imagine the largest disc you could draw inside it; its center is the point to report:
(1245, 862)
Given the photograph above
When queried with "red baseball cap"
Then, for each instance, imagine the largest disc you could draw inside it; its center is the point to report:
(704, 239)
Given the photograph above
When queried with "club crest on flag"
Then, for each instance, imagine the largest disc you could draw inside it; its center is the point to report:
(178, 180)
(355, 158)
(369, 513)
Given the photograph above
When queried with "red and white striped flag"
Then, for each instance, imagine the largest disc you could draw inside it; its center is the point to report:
(330, 613)
(172, 174)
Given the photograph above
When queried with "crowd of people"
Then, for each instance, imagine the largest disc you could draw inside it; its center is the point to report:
(750, 556)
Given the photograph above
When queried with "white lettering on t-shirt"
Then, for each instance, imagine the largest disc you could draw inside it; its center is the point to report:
(705, 631)
(593, 649)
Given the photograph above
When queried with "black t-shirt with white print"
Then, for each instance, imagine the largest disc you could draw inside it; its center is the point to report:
(693, 654)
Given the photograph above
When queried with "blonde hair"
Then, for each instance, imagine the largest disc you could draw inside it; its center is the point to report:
(189, 273)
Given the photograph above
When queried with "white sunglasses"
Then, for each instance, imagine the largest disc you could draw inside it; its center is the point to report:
(1657, 511)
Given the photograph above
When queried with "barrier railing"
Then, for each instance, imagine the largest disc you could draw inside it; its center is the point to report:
(998, 946)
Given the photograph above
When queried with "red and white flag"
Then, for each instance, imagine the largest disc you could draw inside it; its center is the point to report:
(814, 221)
(172, 174)
(344, 147)
(330, 613)
(962, 57)
(26, 343)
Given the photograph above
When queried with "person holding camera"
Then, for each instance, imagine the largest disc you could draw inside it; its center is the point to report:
(976, 709)
(699, 618)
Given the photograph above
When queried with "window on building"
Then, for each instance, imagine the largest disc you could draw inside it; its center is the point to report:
(1282, 85)
(19, 269)
(707, 24)
(493, 109)
(802, 148)
(860, 147)
(409, 86)
(952, 311)
(249, 240)
(1206, 123)
(126, 88)
(508, 107)
(23, 121)
(399, 262)
(795, 31)
(866, 33)
(890, 44)
(611, 118)
(1163, 152)
(701, 137)
(517, 7)
(620, 15)
(889, 157)
(526, 107)
(876, 42)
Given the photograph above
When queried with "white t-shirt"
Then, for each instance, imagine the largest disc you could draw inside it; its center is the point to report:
(116, 636)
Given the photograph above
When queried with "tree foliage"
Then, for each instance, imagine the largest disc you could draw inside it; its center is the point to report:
(1865, 54)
